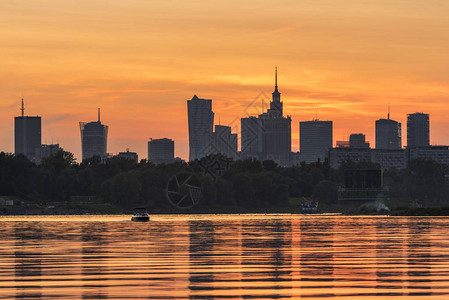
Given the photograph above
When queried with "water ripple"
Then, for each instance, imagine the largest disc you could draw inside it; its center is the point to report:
(224, 257)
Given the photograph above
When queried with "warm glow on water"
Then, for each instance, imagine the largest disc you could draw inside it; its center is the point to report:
(224, 256)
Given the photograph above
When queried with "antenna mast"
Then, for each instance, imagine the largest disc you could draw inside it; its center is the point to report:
(23, 108)
(98, 114)
(388, 110)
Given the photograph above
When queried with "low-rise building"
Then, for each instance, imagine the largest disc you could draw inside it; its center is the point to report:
(129, 155)
(389, 158)
(337, 156)
(45, 151)
(437, 153)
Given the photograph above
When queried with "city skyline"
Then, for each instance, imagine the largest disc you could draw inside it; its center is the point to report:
(118, 145)
(275, 107)
(128, 61)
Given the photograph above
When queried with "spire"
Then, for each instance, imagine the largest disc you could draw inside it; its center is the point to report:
(99, 115)
(276, 94)
(23, 108)
(276, 77)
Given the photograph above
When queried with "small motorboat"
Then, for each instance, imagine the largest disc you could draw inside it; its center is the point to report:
(140, 215)
(309, 207)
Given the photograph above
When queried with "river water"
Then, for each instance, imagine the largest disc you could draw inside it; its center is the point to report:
(250, 256)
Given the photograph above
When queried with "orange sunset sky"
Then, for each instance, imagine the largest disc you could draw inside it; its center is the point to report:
(140, 60)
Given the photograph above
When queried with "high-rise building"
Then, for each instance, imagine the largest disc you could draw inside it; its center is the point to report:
(223, 141)
(277, 131)
(27, 134)
(94, 137)
(357, 140)
(315, 138)
(201, 122)
(251, 138)
(418, 130)
(161, 151)
(388, 134)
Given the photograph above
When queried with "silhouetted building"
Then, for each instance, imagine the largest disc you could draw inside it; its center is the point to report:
(27, 134)
(251, 138)
(386, 158)
(201, 122)
(388, 134)
(223, 141)
(389, 158)
(44, 151)
(129, 155)
(296, 158)
(437, 153)
(342, 144)
(315, 138)
(93, 138)
(418, 130)
(161, 151)
(277, 131)
(268, 136)
(363, 185)
(357, 140)
(337, 156)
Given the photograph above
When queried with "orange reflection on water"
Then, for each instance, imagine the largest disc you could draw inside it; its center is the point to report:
(224, 256)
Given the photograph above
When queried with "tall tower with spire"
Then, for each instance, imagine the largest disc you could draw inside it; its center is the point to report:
(27, 134)
(271, 130)
(276, 106)
(388, 133)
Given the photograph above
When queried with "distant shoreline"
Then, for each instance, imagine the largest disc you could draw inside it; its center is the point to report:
(429, 211)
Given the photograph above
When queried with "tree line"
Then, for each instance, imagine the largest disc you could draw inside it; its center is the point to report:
(241, 183)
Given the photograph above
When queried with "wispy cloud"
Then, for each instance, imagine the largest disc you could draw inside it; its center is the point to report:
(282, 29)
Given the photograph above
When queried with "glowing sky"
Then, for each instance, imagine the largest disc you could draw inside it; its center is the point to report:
(141, 60)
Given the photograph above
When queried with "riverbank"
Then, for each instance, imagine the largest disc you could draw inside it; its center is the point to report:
(108, 210)
(98, 207)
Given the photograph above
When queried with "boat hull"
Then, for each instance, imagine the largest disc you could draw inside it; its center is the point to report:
(140, 219)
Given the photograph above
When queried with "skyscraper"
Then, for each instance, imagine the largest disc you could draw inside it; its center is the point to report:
(27, 134)
(315, 139)
(94, 136)
(201, 123)
(418, 130)
(223, 141)
(388, 134)
(277, 131)
(161, 151)
(268, 136)
(251, 134)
